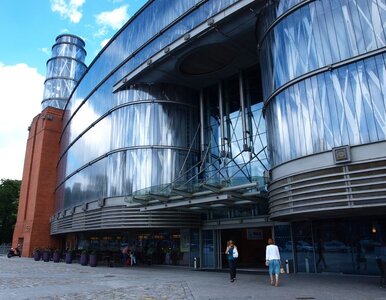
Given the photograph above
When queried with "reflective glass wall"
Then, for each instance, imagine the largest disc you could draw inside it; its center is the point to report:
(105, 135)
(349, 246)
(324, 75)
(145, 142)
(128, 49)
(64, 70)
(161, 247)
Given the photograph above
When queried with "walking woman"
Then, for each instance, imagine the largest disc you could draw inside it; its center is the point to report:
(272, 260)
(232, 255)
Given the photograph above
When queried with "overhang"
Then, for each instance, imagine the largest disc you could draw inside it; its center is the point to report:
(217, 48)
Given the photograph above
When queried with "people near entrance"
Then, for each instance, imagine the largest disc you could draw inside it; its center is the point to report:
(125, 253)
(18, 250)
(272, 260)
(232, 255)
(361, 257)
(133, 259)
(320, 250)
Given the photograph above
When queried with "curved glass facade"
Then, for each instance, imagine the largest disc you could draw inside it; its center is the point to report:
(64, 70)
(344, 105)
(128, 49)
(142, 142)
(152, 127)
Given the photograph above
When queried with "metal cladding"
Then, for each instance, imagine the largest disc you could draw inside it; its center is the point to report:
(64, 69)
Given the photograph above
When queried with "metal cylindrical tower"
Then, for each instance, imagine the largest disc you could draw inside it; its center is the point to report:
(64, 70)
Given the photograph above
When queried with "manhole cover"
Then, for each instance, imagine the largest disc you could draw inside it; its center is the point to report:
(305, 298)
(109, 276)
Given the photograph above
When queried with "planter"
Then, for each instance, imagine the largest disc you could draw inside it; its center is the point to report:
(37, 255)
(46, 256)
(83, 259)
(93, 260)
(68, 258)
(56, 257)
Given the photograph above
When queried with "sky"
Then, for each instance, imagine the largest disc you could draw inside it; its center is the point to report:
(28, 29)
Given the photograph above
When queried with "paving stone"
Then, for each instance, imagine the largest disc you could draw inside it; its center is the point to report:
(25, 279)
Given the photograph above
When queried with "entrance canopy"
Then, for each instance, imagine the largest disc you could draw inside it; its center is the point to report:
(200, 196)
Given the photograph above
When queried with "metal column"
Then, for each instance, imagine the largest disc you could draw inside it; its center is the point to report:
(221, 109)
(242, 106)
(202, 124)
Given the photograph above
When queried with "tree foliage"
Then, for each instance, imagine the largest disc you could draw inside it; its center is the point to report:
(9, 199)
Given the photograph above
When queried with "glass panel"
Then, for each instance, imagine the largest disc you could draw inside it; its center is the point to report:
(377, 100)
(208, 253)
(283, 241)
(194, 247)
(318, 34)
(303, 247)
(349, 246)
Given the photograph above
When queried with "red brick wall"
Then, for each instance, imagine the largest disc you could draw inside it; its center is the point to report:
(37, 194)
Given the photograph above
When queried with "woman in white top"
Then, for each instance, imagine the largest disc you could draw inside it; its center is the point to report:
(272, 259)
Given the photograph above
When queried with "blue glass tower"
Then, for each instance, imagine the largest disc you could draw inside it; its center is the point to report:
(64, 69)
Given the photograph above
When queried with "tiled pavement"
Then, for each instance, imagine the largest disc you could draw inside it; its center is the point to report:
(23, 278)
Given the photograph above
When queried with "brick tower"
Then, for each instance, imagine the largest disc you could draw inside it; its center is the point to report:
(37, 194)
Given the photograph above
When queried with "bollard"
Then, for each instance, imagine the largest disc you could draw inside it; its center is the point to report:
(307, 265)
(287, 268)
(195, 262)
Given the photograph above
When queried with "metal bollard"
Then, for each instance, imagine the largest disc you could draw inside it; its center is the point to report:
(287, 268)
(307, 265)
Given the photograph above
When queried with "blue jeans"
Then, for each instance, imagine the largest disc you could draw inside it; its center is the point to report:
(274, 267)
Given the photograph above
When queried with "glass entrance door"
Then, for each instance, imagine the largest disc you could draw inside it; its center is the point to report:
(208, 249)
(250, 242)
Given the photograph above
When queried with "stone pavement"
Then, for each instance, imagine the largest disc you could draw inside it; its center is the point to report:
(23, 278)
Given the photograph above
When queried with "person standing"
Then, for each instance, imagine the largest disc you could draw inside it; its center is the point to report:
(272, 260)
(320, 249)
(133, 259)
(125, 253)
(232, 255)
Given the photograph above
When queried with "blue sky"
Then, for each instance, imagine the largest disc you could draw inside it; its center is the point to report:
(28, 29)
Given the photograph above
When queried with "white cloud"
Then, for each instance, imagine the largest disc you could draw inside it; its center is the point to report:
(45, 51)
(21, 91)
(104, 42)
(68, 9)
(114, 19)
(102, 31)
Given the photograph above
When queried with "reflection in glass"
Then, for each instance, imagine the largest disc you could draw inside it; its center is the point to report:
(345, 106)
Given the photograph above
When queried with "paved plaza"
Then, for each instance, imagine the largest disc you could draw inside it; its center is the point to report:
(23, 278)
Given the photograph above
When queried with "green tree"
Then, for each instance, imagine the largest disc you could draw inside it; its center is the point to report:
(9, 199)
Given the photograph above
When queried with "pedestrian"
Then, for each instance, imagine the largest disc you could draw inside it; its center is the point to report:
(232, 255)
(320, 249)
(133, 259)
(361, 257)
(272, 260)
(125, 253)
(18, 250)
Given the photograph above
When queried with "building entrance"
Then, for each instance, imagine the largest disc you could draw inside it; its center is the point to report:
(250, 242)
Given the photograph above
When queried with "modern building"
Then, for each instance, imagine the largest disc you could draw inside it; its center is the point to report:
(204, 121)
